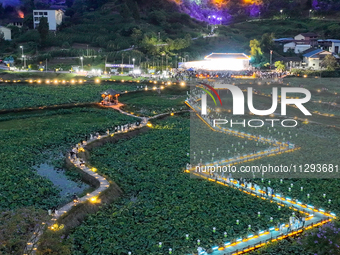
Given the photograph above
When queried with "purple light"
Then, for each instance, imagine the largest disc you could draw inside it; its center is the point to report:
(254, 10)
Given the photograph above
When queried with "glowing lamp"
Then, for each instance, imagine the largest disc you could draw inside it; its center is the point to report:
(214, 248)
(226, 244)
(94, 200)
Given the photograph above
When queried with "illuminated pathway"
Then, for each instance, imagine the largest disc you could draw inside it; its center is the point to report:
(313, 217)
(32, 244)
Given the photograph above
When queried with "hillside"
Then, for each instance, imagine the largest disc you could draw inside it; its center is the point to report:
(117, 31)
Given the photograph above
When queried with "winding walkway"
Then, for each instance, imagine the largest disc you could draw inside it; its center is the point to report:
(32, 244)
(314, 217)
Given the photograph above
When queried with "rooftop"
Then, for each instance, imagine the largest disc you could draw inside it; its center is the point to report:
(311, 53)
(227, 56)
(330, 40)
(111, 92)
(2, 27)
(308, 34)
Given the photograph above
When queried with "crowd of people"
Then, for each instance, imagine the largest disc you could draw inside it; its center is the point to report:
(191, 74)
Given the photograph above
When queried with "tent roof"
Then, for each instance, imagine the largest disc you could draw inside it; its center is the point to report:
(227, 56)
(111, 92)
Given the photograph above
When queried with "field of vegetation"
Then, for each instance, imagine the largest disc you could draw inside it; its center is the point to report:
(29, 140)
(161, 202)
(15, 96)
(153, 102)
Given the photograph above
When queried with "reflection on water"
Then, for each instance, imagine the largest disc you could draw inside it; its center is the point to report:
(66, 186)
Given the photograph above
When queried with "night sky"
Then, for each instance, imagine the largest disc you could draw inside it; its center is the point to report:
(10, 2)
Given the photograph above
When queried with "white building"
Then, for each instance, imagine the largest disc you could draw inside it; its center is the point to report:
(306, 37)
(313, 59)
(332, 45)
(220, 62)
(54, 18)
(297, 48)
(7, 33)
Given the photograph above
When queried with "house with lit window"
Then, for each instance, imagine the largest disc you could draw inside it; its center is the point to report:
(54, 18)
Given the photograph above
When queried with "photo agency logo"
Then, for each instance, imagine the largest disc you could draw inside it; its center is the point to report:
(238, 104)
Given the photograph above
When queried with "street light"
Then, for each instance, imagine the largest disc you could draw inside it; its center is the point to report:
(162, 61)
(281, 14)
(310, 11)
(220, 19)
(23, 56)
(133, 61)
(82, 66)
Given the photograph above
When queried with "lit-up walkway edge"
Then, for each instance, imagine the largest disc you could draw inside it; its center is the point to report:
(314, 217)
(31, 246)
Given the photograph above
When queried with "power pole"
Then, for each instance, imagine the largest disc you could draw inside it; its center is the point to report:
(271, 58)
(122, 63)
(46, 64)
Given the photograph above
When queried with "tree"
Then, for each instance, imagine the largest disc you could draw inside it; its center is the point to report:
(28, 21)
(43, 29)
(2, 36)
(134, 9)
(267, 42)
(280, 66)
(329, 62)
(2, 10)
(255, 48)
(69, 3)
(256, 52)
(124, 11)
